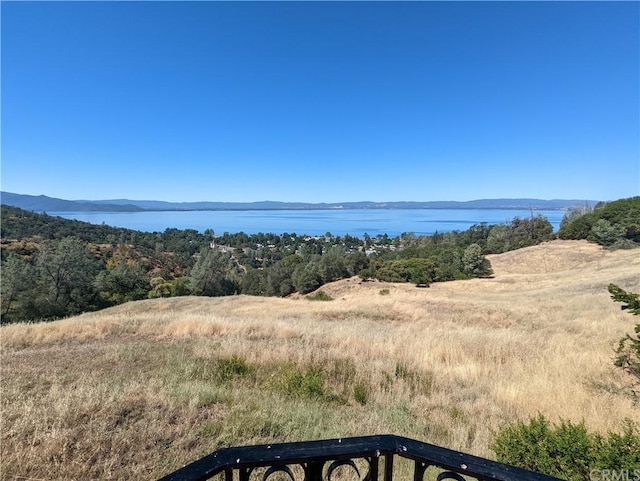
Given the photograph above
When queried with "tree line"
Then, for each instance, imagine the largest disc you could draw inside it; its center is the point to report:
(54, 267)
(614, 225)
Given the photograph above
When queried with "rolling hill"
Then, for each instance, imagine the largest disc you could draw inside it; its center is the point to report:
(138, 390)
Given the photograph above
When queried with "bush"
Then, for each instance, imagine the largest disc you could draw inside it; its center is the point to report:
(218, 370)
(232, 367)
(367, 273)
(568, 451)
(319, 296)
(309, 382)
(361, 393)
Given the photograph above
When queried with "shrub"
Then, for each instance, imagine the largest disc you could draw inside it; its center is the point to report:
(220, 370)
(232, 367)
(319, 296)
(367, 273)
(308, 383)
(568, 451)
(361, 393)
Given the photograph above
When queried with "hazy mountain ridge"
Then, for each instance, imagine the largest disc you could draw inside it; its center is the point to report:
(43, 203)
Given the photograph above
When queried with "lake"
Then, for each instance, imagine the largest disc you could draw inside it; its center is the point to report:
(355, 222)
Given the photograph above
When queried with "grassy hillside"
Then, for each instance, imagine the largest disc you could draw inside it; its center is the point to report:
(138, 390)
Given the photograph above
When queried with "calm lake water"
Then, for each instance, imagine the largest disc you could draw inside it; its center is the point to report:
(355, 222)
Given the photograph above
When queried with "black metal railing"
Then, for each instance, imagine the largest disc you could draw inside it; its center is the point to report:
(368, 458)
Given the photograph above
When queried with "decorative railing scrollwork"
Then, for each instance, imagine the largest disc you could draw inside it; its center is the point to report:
(368, 458)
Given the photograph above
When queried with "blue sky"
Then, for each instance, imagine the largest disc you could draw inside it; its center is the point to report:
(321, 101)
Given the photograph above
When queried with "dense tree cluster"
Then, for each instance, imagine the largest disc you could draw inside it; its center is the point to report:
(54, 267)
(615, 225)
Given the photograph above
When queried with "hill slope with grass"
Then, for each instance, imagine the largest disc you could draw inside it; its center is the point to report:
(138, 390)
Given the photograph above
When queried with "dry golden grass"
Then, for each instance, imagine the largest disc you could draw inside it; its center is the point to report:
(138, 390)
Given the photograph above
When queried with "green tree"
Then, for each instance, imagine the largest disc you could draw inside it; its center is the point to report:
(67, 270)
(574, 213)
(279, 282)
(476, 234)
(122, 283)
(291, 261)
(332, 265)
(159, 288)
(499, 239)
(628, 351)
(213, 274)
(306, 277)
(367, 273)
(254, 282)
(180, 286)
(356, 261)
(419, 271)
(607, 234)
(519, 233)
(16, 288)
(367, 240)
(531, 231)
(170, 288)
(576, 227)
(474, 263)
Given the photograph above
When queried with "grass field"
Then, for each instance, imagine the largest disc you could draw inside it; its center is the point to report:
(136, 391)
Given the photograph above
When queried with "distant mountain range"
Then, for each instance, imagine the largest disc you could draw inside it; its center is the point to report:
(42, 203)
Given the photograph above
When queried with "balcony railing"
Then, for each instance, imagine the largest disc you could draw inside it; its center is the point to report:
(368, 458)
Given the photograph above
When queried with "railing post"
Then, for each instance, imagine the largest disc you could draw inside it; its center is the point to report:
(374, 463)
(418, 470)
(388, 467)
(313, 471)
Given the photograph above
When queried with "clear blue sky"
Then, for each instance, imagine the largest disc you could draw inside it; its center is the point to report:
(321, 101)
